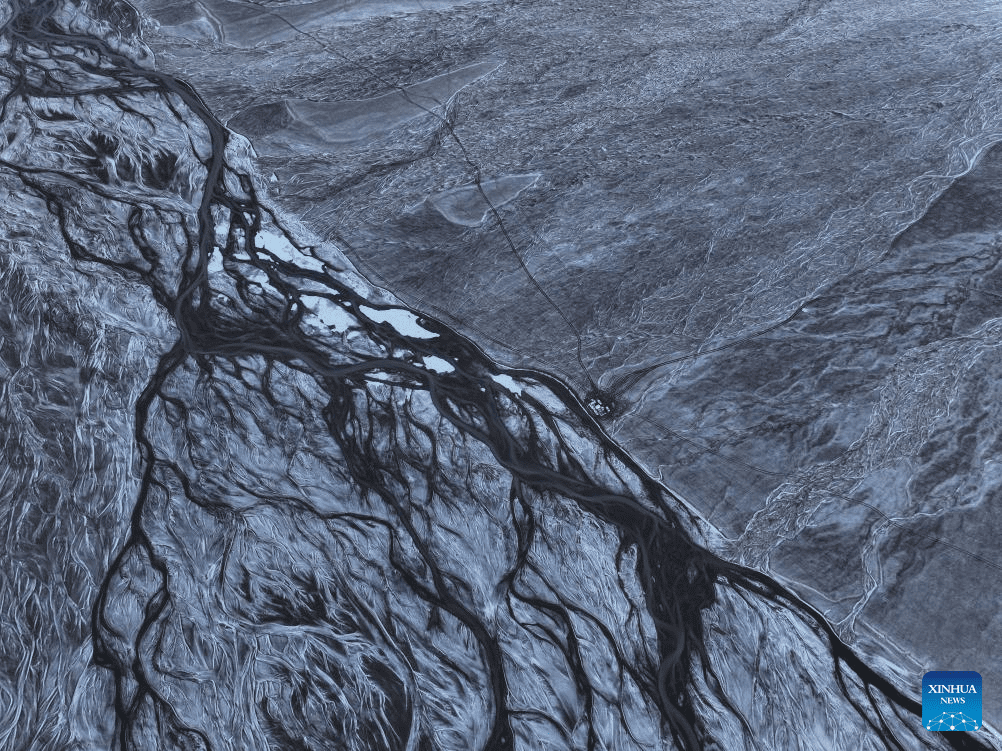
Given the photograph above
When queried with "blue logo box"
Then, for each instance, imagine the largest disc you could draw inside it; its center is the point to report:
(951, 700)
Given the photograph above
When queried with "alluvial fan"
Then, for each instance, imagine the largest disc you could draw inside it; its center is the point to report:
(253, 502)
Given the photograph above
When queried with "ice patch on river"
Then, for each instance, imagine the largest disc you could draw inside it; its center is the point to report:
(403, 321)
(280, 247)
(507, 382)
(438, 364)
(329, 313)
